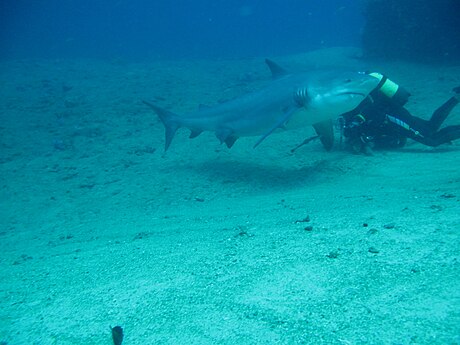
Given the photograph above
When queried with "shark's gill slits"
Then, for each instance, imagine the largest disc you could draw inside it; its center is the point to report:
(301, 96)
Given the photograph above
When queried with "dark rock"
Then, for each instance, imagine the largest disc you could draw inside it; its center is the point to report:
(417, 30)
(447, 196)
(373, 250)
(305, 220)
(333, 255)
(66, 88)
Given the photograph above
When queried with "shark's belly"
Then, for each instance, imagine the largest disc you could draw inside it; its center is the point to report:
(305, 117)
(253, 124)
(253, 115)
(241, 121)
(249, 127)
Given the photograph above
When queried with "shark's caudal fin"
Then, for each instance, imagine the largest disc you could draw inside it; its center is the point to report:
(168, 119)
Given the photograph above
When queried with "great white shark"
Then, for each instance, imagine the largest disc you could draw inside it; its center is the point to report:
(290, 101)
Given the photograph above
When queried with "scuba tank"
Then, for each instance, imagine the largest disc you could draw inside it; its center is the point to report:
(390, 89)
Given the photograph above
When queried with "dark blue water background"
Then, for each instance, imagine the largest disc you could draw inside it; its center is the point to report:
(143, 29)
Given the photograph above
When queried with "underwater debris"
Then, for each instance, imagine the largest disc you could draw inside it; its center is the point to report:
(389, 226)
(373, 231)
(373, 250)
(117, 335)
(305, 220)
(66, 88)
(415, 30)
(333, 254)
(447, 196)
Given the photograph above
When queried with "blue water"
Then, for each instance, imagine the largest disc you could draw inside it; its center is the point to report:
(145, 29)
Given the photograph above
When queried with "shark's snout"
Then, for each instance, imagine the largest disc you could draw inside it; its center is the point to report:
(360, 87)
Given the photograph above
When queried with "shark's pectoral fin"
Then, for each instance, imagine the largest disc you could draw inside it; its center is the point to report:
(325, 131)
(225, 135)
(279, 124)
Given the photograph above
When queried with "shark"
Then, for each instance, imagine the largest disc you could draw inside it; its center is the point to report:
(289, 101)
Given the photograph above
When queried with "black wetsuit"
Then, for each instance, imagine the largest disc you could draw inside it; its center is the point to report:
(385, 123)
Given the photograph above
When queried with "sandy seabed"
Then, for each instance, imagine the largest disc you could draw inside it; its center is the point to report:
(206, 245)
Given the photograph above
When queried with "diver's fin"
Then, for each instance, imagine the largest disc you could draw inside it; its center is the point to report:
(280, 124)
(325, 132)
(169, 120)
(277, 70)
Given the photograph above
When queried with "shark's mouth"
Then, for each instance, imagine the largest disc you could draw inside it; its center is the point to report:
(351, 93)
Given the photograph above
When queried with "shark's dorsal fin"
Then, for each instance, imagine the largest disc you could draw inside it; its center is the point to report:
(277, 70)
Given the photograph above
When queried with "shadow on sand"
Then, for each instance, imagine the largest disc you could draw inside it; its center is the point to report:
(264, 176)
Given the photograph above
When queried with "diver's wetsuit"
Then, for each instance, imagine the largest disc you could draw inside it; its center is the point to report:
(388, 124)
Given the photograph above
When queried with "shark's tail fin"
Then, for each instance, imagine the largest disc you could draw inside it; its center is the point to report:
(169, 121)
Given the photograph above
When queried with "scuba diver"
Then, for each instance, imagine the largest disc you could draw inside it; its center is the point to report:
(381, 121)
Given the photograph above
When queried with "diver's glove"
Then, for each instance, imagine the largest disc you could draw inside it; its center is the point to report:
(353, 128)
